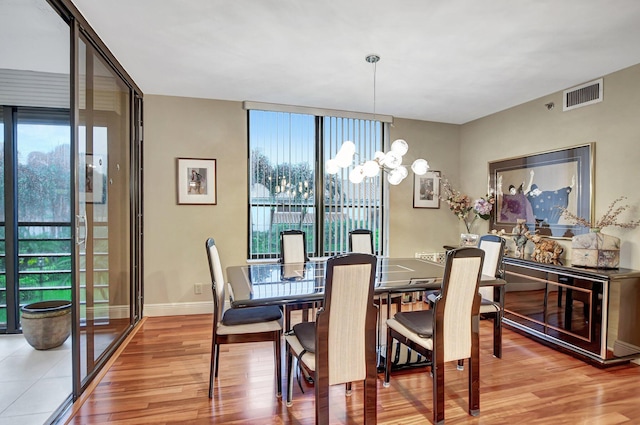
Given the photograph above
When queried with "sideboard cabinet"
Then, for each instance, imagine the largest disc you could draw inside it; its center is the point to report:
(594, 313)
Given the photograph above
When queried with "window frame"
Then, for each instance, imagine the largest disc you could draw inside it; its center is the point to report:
(325, 147)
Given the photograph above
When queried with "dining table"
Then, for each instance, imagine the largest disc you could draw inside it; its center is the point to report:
(274, 283)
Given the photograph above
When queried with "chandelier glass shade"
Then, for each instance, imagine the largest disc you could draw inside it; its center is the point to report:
(389, 162)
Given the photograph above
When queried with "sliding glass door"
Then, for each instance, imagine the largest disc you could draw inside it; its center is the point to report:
(103, 217)
(70, 212)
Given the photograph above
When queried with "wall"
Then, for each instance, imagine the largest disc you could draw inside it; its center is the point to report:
(423, 229)
(613, 124)
(174, 235)
(175, 258)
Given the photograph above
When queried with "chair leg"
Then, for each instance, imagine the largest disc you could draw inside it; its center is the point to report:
(322, 399)
(460, 365)
(387, 360)
(371, 397)
(474, 374)
(287, 317)
(437, 368)
(291, 369)
(474, 388)
(213, 367)
(278, 363)
(217, 365)
(497, 335)
(347, 389)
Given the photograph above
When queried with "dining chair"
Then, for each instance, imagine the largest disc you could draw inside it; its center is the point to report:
(293, 246)
(449, 331)
(340, 346)
(293, 250)
(361, 240)
(230, 326)
(493, 247)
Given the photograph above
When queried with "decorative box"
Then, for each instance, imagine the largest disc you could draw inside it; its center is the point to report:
(595, 250)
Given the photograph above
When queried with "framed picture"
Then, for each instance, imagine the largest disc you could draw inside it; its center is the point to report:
(95, 168)
(196, 181)
(536, 187)
(426, 190)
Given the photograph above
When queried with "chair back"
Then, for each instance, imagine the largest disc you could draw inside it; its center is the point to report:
(361, 240)
(217, 280)
(457, 308)
(493, 247)
(293, 247)
(346, 326)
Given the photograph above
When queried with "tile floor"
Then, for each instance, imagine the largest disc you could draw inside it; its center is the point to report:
(32, 383)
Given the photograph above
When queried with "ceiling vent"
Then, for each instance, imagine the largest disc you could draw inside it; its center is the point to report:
(582, 95)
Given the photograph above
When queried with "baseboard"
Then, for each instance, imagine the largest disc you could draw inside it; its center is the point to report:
(178, 309)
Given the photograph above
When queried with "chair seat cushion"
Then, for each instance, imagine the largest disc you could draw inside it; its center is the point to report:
(306, 334)
(420, 322)
(488, 306)
(243, 316)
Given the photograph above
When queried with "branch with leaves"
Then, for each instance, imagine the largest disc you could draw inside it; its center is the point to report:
(610, 218)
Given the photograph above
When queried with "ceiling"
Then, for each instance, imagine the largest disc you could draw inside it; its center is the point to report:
(446, 61)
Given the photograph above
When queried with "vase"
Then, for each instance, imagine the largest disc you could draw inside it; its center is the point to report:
(468, 239)
(46, 324)
(596, 250)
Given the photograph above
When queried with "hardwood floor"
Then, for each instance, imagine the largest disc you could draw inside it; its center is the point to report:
(161, 377)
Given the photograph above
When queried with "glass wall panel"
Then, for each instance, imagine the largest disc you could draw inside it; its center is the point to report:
(104, 202)
(3, 267)
(35, 207)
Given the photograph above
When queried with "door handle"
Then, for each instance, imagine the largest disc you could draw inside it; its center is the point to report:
(81, 225)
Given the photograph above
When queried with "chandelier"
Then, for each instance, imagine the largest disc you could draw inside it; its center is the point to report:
(389, 162)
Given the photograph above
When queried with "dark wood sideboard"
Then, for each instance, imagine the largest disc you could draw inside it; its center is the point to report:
(593, 313)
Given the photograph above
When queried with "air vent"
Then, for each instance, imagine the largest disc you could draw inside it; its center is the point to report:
(583, 95)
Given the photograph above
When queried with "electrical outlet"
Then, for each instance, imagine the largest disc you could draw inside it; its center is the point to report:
(197, 288)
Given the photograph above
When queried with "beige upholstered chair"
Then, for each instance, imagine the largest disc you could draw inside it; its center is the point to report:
(293, 247)
(293, 251)
(251, 324)
(449, 331)
(361, 240)
(493, 247)
(340, 346)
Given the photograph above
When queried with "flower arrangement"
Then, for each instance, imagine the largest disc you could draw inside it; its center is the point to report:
(461, 205)
(610, 218)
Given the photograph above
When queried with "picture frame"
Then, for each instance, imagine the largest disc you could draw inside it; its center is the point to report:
(196, 181)
(536, 187)
(95, 175)
(426, 190)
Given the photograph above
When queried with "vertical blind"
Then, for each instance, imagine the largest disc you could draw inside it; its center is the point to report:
(351, 206)
(288, 188)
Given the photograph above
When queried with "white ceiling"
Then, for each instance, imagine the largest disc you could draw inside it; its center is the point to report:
(448, 61)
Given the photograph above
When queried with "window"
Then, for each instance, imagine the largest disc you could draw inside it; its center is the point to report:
(38, 211)
(288, 188)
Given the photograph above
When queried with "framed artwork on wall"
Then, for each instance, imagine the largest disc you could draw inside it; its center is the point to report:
(196, 181)
(426, 190)
(95, 179)
(536, 187)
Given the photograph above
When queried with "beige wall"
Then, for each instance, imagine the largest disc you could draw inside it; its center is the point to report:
(174, 235)
(411, 229)
(613, 124)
